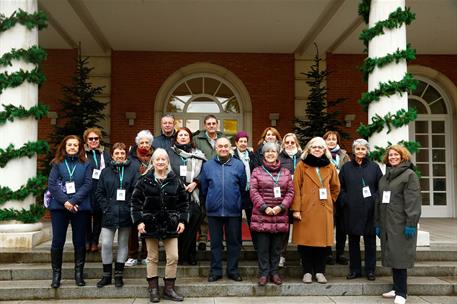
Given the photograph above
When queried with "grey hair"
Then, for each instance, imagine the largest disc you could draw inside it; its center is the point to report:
(317, 141)
(144, 134)
(168, 115)
(270, 146)
(360, 142)
(158, 152)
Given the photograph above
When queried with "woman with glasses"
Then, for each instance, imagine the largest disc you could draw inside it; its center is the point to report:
(270, 134)
(289, 158)
(98, 159)
(70, 183)
(316, 187)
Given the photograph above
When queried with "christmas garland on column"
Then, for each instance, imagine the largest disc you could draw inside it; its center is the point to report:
(34, 55)
(402, 117)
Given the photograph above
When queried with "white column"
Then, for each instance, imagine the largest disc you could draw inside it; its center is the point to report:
(380, 46)
(18, 171)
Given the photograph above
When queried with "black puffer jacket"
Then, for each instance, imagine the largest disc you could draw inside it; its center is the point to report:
(161, 206)
(116, 213)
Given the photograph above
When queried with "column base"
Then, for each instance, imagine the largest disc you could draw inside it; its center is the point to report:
(18, 235)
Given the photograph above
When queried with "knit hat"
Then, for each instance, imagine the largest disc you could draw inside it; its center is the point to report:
(241, 134)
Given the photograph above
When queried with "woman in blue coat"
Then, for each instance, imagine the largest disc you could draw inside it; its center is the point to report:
(70, 182)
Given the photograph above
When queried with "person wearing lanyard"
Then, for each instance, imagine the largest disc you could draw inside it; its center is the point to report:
(97, 156)
(271, 192)
(339, 158)
(70, 182)
(114, 193)
(359, 180)
(289, 156)
(398, 210)
(160, 207)
(186, 162)
(270, 134)
(316, 188)
(242, 153)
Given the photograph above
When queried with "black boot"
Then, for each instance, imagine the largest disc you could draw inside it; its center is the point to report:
(118, 274)
(56, 263)
(169, 291)
(154, 296)
(80, 258)
(107, 274)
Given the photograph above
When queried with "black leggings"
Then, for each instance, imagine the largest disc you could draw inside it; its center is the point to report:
(313, 258)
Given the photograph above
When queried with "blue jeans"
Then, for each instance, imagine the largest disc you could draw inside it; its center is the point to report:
(60, 220)
(232, 228)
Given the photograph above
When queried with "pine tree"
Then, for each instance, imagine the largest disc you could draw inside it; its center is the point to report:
(319, 116)
(79, 108)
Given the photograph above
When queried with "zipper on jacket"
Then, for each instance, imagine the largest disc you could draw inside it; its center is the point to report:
(223, 188)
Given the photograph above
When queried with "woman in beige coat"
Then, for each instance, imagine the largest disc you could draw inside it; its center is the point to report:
(316, 187)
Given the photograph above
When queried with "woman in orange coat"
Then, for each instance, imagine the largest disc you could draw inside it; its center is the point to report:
(316, 186)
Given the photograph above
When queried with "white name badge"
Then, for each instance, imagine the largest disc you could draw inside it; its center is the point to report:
(386, 197)
(366, 192)
(277, 192)
(120, 195)
(70, 187)
(96, 174)
(322, 193)
(292, 176)
(182, 170)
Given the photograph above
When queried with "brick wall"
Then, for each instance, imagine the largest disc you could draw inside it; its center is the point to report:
(137, 77)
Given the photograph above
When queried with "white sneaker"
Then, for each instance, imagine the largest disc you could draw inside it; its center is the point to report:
(144, 261)
(131, 262)
(399, 300)
(321, 278)
(390, 294)
(282, 261)
(307, 278)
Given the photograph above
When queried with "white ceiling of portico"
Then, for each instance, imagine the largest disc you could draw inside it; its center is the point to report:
(252, 26)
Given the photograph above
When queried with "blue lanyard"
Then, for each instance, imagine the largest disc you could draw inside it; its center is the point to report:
(320, 177)
(295, 161)
(95, 158)
(161, 185)
(184, 160)
(70, 172)
(121, 176)
(274, 180)
(363, 182)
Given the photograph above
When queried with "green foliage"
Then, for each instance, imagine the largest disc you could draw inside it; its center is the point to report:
(395, 20)
(37, 19)
(29, 149)
(401, 118)
(33, 215)
(408, 83)
(34, 55)
(35, 185)
(15, 79)
(319, 118)
(364, 9)
(11, 112)
(369, 64)
(378, 153)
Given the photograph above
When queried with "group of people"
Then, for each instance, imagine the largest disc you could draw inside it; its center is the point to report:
(177, 187)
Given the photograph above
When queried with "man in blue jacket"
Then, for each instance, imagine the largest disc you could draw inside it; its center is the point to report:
(222, 181)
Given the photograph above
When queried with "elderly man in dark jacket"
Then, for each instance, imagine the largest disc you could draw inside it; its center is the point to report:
(167, 126)
(222, 180)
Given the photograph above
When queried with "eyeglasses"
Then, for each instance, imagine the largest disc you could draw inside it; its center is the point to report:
(92, 138)
(290, 142)
(317, 147)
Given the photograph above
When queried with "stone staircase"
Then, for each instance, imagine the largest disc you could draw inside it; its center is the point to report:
(25, 275)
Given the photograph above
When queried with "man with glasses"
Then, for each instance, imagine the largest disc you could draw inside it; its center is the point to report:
(167, 126)
(222, 181)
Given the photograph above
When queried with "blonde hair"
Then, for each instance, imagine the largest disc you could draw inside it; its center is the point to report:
(158, 152)
(404, 153)
(317, 141)
(297, 143)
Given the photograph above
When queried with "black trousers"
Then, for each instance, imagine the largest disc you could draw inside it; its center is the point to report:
(94, 227)
(340, 233)
(400, 277)
(187, 239)
(248, 211)
(355, 264)
(268, 252)
(313, 258)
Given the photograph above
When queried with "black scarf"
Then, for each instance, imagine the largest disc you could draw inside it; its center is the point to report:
(185, 147)
(314, 161)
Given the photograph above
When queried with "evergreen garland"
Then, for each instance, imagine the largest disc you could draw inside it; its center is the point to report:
(15, 79)
(35, 185)
(29, 149)
(378, 153)
(369, 64)
(11, 112)
(37, 19)
(33, 215)
(395, 20)
(34, 55)
(399, 119)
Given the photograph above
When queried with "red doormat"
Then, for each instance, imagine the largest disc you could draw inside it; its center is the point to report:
(245, 233)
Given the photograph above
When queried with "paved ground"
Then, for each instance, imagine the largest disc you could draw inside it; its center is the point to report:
(264, 300)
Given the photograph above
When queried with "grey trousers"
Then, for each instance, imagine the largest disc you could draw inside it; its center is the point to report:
(107, 236)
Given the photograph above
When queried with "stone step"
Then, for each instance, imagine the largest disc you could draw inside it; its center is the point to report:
(42, 271)
(40, 255)
(199, 287)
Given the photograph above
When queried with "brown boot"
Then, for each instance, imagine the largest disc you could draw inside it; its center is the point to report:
(169, 291)
(154, 296)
